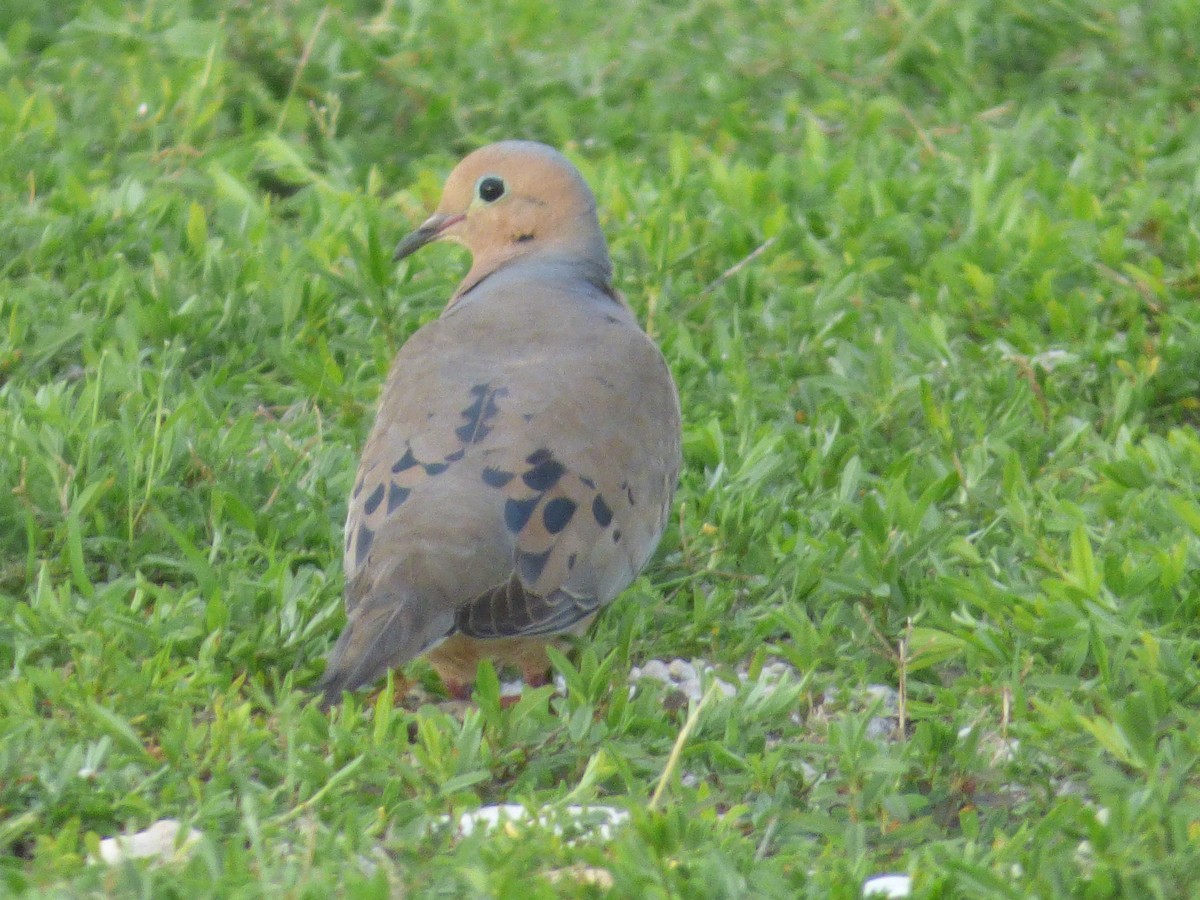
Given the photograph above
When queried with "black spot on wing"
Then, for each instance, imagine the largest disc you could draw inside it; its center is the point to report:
(456, 455)
(491, 408)
(396, 496)
(479, 414)
(545, 474)
(473, 413)
(616, 535)
(537, 457)
(601, 512)
(571, 561)
(587, 482)
(407, 461)
(517, 512)
(496, 478)
(432, 469)
(557, 513)
(365, 538)
(531, 565)
(373, 500)
(629, 496)
(357, 489)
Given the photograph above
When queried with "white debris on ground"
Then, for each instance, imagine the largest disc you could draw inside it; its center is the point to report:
(1048, 359)
(686, 677)
(161, 842)
(597, 822)
(887, 886)
(883, 699)
(512, 690)
(883, 727)
(1003, 750)
(581, 874)
(1085, 853)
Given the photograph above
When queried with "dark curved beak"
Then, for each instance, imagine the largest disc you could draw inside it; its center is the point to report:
(430, 230)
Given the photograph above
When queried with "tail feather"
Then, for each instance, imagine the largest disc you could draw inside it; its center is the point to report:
(382, 633)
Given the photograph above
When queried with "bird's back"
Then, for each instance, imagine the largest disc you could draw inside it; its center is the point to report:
(518, 475)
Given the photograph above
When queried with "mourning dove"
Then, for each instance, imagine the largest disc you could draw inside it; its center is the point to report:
(521, 467)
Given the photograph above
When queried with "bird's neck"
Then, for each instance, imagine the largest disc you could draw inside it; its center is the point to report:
(584, 260)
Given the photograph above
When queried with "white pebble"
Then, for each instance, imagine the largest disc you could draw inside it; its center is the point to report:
(881, 729)
(887, 697)
(887, 886)
(681, 670)
(690, 689)
(158, 841)
(656, 669)
(599, 820)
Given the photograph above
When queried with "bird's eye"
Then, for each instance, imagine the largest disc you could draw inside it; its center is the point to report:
(490, 188)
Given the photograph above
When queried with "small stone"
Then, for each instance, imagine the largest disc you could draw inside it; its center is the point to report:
(656, 669)
(889, 886)
(690, 688)
(881, 728)
(159, 842)
(887, 697)
(581, 874)
(512, 818)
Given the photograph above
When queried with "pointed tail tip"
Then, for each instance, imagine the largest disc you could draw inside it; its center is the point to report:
(330, 690)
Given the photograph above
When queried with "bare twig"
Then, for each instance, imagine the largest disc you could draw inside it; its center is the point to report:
(765, 844)
(902, 688)
(334, 780)
(1025, 369)
(301, 66)
(1143, 291)
(878, 635)
(677, 750)
(996, 112)
(738, 266)
(1005, 711)
(921, 133)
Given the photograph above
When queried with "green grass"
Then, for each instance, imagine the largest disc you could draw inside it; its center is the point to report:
(953, 403)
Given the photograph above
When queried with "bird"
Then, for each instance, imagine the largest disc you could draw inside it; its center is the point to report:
(522, 464)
